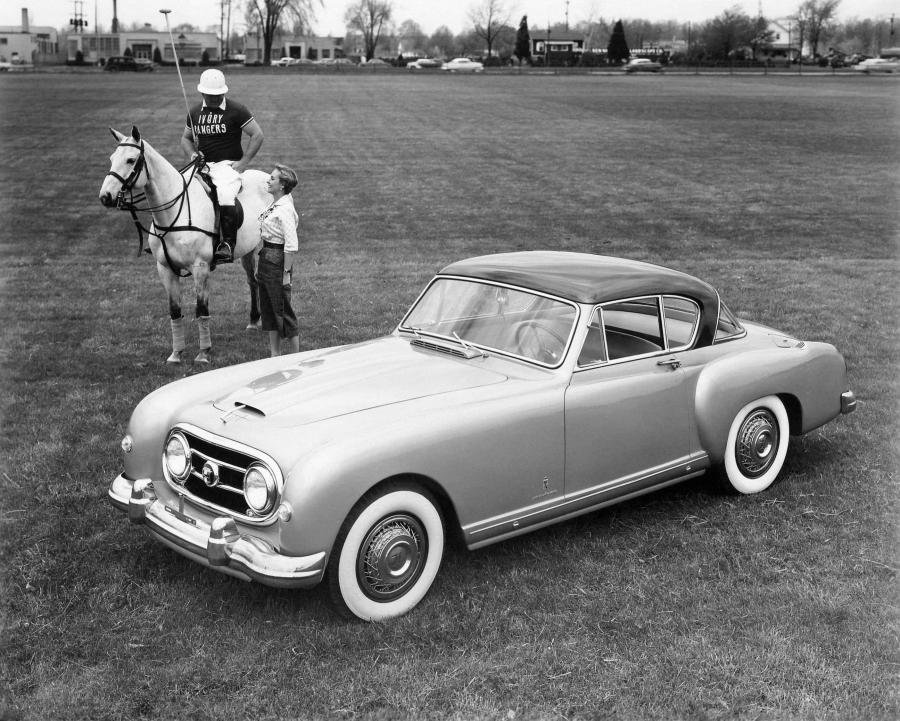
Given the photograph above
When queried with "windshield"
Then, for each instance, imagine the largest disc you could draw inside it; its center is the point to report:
(494, 317)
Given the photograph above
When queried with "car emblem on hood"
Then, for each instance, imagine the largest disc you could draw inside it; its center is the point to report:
(210, 474)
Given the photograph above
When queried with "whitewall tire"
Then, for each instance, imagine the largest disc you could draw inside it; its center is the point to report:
(387, 554)
(757, 446)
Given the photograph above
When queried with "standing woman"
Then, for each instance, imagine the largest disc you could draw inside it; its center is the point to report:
(278, 228)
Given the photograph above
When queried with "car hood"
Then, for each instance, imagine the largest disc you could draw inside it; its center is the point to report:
(351, 379)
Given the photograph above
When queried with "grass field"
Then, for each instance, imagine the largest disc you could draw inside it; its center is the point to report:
(781, 191)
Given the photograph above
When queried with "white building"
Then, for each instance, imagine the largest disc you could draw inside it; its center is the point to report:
(26, 45)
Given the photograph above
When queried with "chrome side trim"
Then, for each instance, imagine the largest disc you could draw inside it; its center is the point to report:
(535, 516)
(219, 545)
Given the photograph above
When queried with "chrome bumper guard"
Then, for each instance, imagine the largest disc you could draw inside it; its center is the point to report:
(219, 544)
(848, 402)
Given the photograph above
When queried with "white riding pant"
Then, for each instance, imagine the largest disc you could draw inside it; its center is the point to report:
(226, 179)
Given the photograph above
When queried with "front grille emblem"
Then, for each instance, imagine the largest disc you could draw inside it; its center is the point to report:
(210, 474)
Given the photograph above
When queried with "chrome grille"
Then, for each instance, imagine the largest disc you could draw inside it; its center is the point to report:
(230, 465)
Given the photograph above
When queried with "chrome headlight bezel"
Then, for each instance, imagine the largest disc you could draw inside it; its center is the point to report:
(259, 479)
(178, 439)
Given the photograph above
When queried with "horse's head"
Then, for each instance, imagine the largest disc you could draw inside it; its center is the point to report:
(127, 170)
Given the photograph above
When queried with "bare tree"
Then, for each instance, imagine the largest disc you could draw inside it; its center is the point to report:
(490, 20)
(816, 17)
(369, 17)
(273, 14)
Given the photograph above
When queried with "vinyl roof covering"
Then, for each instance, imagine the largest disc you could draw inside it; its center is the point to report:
(592, 279)
(582, 277)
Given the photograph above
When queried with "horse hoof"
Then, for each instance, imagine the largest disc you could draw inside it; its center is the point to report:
(254, 325)
(202, 357)
(175, 358)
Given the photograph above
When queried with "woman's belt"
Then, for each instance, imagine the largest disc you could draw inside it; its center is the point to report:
(276, 246)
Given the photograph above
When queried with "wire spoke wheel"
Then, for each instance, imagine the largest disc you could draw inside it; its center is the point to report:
(756, 447)
(391, 557)
(387, 553)
(757, 443)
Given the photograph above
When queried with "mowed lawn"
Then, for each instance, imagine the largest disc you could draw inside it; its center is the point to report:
(781, 191)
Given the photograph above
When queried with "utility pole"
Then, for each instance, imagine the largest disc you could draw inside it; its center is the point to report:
(567, 15)
(77, 20)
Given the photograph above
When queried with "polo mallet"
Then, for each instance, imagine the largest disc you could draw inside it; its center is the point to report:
(178, 68)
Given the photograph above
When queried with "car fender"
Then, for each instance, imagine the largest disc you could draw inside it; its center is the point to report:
(451, 445)
(808, 377)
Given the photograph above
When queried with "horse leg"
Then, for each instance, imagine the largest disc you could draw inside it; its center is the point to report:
(201, 288)
(173, 290)
(249, 263)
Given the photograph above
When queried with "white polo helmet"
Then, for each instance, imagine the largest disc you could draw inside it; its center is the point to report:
(212, 82)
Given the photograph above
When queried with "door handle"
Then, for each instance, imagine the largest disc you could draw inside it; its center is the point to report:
(673, 363)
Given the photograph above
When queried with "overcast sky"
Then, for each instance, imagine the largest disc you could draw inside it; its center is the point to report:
(430, 14)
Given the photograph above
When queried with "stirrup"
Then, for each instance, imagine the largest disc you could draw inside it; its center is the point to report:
(223, 253)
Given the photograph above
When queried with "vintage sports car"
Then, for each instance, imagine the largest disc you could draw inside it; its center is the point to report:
(520, 390)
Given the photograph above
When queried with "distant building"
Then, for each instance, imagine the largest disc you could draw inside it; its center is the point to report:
(555, 42)
(26, 45)
(190, 46)
(307, 47)
(784, 46)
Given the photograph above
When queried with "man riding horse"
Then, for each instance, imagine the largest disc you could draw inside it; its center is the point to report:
(214, 128)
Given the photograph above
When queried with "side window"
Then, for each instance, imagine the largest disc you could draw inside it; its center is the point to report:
(594, 348)
(632, 328)
(728, 326)
(682, 316)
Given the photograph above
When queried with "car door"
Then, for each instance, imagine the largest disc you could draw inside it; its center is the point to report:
(628, 408)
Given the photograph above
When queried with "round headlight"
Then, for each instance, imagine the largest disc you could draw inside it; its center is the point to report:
(178, 457)
(260, 488)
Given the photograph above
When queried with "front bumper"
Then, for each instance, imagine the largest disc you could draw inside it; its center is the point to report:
(218, 544)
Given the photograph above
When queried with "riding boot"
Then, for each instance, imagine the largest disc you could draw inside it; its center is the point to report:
(228, 230)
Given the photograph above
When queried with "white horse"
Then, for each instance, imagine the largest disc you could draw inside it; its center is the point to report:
(184, 228)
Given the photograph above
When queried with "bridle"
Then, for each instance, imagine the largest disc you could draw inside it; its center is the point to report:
(131, 202)
(128, 183)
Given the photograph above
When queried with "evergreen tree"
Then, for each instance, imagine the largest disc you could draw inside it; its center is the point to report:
(523, 41)
(618, 46)
(157, 56)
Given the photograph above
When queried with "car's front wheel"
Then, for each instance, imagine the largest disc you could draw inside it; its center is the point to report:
(757, 446)
(387, 553)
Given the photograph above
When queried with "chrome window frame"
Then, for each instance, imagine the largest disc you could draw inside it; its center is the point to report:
(489, 349)
(661, 321)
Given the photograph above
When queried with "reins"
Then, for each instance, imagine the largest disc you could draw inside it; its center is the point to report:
(131, 204)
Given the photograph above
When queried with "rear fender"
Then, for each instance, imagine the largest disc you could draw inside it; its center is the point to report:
(808, 379)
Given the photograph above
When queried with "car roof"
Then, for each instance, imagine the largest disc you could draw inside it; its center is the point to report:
(591, 279)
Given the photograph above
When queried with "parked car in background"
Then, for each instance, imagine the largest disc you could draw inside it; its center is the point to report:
(424, 64)
(285, 62)
(878, 65)
(463, 65)
(520, 390)
(642, 65)
(123, 62)
(5, 65)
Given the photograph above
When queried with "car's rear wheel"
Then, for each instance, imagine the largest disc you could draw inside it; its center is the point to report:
(757, 446)
(387, 553)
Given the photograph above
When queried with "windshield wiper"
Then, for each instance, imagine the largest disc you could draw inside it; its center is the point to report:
(469, 347)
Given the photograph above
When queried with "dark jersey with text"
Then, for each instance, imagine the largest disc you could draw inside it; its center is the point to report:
(219, 131)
